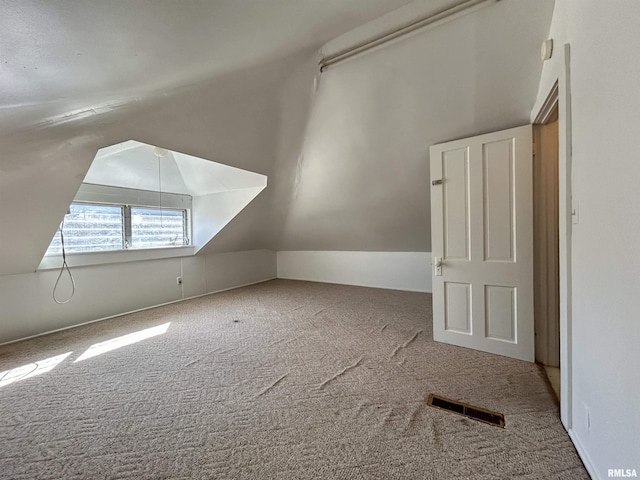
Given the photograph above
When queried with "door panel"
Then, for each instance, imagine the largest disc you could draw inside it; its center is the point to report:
(498, 184)
(500, 313)
(455, 166)
(482, 230)
(458, 307)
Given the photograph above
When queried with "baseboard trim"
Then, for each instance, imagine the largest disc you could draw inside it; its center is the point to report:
(366, 285)
(586, 461)
(408, 271)
(134, 311)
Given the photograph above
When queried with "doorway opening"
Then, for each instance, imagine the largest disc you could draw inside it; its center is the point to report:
(546, 245)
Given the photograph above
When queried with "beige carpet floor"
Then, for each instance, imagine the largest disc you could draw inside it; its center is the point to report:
(281, 380)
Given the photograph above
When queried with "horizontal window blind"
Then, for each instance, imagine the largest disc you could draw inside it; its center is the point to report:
(113, 218)
(155, 227)
(90, 228)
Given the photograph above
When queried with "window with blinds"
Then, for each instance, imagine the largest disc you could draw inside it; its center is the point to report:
(90, 228)
(98, 227)
(156, 227)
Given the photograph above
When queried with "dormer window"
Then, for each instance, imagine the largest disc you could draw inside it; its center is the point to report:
(105, 218)
(154, 202)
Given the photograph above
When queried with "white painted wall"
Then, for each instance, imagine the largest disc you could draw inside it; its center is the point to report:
(394, 270)
(605, 331)
(354, 171)
(106, 290)
(212, 212)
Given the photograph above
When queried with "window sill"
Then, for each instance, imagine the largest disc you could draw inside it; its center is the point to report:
(118, 256)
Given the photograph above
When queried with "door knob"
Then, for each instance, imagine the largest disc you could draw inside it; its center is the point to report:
(437, 266)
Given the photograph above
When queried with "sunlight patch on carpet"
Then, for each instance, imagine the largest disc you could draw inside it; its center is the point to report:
(123, 341)
(31, 369)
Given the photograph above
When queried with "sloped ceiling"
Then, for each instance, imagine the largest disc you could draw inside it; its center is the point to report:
(232, 81)
(219, 192)
(136, 165)
(200, 77)
(359, 177)
(69, 57)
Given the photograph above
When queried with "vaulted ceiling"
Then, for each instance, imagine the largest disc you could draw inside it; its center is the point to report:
(232, 81)
(78, 75)
(69, 56)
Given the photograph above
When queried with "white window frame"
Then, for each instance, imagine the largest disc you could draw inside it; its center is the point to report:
(126, 198)
(129, 230)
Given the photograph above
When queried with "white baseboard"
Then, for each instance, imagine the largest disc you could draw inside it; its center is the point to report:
(583, 455)
(409, 271)
(134, 311)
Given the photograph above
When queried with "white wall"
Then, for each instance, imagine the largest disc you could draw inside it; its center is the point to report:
(106, 290)
(605, 264)
(395, 270)
(211, 213)
(353, 170)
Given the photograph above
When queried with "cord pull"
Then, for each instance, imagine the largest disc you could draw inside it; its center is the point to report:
(62, 269)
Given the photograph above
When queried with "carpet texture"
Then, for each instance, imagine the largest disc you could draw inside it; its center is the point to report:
(281, 380)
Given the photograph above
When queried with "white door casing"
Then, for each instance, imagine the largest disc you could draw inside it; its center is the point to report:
(482, 242)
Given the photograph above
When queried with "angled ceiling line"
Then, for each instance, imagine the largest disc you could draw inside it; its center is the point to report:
(432, 20)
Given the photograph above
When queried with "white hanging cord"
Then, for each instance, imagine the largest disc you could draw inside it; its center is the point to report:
(160, 152)
(160, 192)
(64, 265)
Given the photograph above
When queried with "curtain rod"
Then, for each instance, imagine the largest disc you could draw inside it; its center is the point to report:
(448, 13)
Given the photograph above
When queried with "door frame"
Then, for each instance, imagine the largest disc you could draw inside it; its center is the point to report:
(547, 324)
(560, 94)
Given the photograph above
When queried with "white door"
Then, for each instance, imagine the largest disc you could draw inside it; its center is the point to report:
(482, 242)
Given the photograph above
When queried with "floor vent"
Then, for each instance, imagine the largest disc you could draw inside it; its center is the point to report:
(475, 413)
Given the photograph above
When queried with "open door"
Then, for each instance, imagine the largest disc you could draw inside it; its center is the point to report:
(482, 243)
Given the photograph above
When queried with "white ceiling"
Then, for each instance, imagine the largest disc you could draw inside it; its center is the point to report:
(135, 165)
(68, 56)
